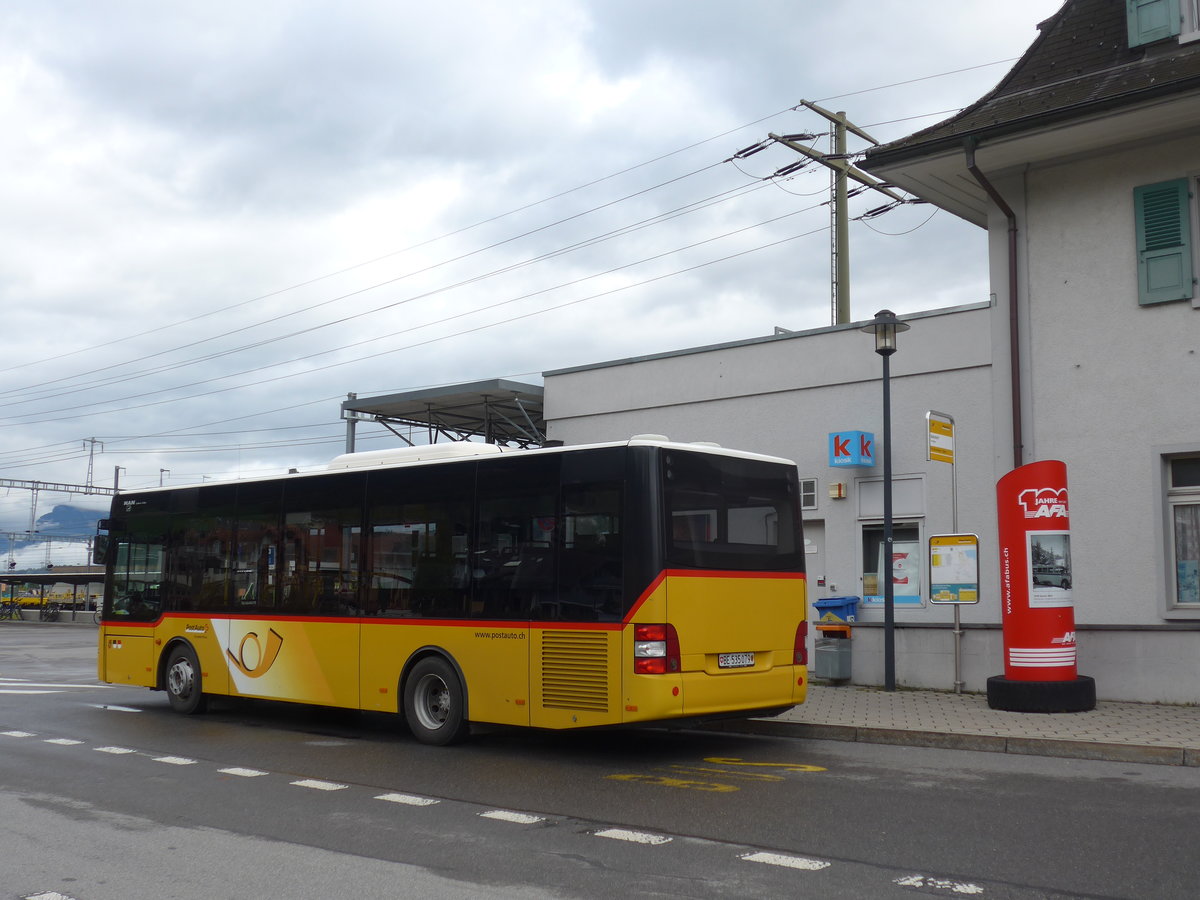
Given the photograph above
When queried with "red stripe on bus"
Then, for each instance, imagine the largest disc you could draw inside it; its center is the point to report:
(470, 623)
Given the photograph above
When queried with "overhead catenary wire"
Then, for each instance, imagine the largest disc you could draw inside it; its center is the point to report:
(341, 297)
(354, 345)
(457, 231)
(658, 218)
(510, 320)
(425, 243)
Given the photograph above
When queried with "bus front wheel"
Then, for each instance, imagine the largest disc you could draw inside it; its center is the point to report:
(182, 680)
(434, 703)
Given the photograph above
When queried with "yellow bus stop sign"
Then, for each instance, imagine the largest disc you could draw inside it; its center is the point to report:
(941, 437)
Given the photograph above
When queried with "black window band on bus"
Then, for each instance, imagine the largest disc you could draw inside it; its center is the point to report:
(725, 512)
(575, 536)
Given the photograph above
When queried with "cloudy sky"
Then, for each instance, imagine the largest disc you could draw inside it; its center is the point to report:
(217, 219)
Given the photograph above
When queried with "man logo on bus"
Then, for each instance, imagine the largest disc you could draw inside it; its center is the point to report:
(1044, 503)
(251, 659)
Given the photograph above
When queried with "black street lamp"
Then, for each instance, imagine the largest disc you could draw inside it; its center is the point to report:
(885, 328)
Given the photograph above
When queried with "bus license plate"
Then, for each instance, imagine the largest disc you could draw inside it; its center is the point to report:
(735, 660)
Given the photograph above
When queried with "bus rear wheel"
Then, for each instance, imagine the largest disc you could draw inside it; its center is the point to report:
(434, 703)
(183, 681)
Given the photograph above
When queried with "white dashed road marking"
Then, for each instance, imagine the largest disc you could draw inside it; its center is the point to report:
(633, 837)
(316, 785)
(175, 760)
(62, 742)
(790, 862)
(242, 773)
(115, 751)
(505, 815)
(941, 884)
(407, 799)
(60, 685)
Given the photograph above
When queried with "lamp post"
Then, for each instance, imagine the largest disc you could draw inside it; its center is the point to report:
(885, 327)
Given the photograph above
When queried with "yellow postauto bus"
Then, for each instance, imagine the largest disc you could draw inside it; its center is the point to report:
(564, 587)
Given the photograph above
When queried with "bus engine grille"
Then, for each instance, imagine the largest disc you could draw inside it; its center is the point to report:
(575, 670)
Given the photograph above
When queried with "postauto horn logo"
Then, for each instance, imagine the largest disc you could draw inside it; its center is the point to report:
(1044, 503)
(252, 659)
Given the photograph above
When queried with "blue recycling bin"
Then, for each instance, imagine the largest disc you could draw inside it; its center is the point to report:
(836, 609)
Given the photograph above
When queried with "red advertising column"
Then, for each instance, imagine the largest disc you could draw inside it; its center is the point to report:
(1037, 605)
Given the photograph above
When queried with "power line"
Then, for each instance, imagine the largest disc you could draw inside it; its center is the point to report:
(884, 87)
(429, 341)
(377, 338)
(420, 244)
(659, 218)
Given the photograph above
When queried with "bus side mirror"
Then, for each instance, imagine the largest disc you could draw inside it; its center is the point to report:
(100, 549)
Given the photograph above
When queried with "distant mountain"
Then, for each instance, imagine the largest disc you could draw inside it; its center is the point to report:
(63, 520)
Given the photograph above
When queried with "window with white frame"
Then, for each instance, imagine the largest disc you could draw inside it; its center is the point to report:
(1183, 503)
(904, 565)
(808, 493)
(1190, 25)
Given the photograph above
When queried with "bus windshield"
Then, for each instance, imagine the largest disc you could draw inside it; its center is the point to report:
(136, 593)
(730, 513)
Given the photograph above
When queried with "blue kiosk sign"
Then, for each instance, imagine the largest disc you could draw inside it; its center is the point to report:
(851, 448)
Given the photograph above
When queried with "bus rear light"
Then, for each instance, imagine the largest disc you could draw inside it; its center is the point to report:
(655, 649)
(800, 647)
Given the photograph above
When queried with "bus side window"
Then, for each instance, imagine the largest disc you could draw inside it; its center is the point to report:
(589, 573)
(254, 565)
(517, 533)
(419, 561)
(321, 550)
(195, 563)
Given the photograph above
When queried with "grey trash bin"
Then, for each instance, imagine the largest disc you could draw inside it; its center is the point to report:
(832, 659)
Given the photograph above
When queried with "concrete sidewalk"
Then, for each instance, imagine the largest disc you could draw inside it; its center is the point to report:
(1118, 731)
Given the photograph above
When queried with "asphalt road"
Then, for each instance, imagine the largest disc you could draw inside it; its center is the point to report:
(105, 794)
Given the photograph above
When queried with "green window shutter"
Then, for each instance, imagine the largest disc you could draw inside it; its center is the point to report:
(1164, 241)
(1151, 20)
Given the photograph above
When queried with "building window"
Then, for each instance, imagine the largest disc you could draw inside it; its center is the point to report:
(1162, 219)
(1190, 25)
(808, 489)
(905, 564)
(1183, 502)
(1152, 20)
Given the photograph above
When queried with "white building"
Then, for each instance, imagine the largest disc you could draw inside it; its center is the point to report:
(1083, 166)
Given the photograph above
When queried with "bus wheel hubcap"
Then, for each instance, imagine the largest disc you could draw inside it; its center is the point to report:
(433, 702)
(179, 678)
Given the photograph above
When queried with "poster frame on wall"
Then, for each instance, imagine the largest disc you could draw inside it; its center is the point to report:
(954, 569)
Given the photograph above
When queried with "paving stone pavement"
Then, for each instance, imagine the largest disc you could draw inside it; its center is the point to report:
(1119, 731)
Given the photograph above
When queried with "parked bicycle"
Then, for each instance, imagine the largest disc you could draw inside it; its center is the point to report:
(49, 612)
(10, 609)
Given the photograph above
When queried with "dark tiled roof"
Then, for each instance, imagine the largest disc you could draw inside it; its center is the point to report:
(1080, 64)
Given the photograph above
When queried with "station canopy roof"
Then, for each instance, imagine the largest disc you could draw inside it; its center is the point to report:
(501, 412)
(76, 575)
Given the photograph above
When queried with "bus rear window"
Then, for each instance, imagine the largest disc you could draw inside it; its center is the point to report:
(730, 513)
